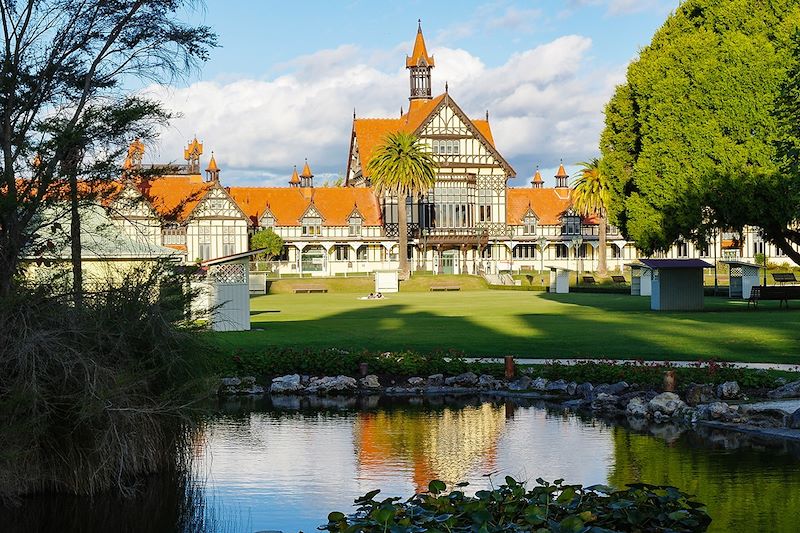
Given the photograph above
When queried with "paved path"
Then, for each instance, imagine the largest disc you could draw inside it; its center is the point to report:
(523, 361)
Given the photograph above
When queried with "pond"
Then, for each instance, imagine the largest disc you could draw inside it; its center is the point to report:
(283, 464)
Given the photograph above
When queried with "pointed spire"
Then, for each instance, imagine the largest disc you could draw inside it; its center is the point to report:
(212, 164)
(561, 176)
(419, 56)
(212, 172)
(306, 177)
(446, 87)
(295, 180)
(537, 180)
(306, 171)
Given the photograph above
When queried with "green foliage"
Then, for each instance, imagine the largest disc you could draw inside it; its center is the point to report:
(274, 361)
(546, 507)
(271, 242)
(689, 142)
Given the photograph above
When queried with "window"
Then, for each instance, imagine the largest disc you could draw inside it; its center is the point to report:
(682, 249)
(174, 234)
(562, 252)
(312, 226)
(354, 229)
(204, 242)
(361, 253)
(703, 250)
(524, 251)
(616, 251)
(342, 252)
(486, 253)
(529, 223)
(228, 240)
(571, 225)
(582, 250)
(267, 221)
(758, 246)
(445, 147)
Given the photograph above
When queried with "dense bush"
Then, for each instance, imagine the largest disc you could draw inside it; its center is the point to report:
(91, 398)
(513, 507)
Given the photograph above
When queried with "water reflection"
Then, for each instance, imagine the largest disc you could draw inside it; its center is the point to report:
(283, 464)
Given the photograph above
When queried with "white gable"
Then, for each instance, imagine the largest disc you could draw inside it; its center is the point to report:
(445, 129)
(217, 204)
(132, 205)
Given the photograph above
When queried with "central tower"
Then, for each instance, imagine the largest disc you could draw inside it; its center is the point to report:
(419, 67)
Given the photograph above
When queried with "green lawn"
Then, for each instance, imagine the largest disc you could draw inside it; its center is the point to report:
(524, 324)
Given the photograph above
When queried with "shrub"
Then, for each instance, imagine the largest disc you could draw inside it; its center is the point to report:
(547, 507)
(93, 398)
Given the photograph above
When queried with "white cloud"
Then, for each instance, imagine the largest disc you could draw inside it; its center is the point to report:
(624, 7)
(545, 103)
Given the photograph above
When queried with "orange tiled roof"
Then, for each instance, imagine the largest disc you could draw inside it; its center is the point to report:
(288, 205)
(420, 52)
(548, 204)
(174, 197)
(371, 132)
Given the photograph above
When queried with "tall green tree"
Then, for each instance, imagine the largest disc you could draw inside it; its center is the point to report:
(402, 167)
(269, 242)
(66, 110)
(590, 197)
(690, 141)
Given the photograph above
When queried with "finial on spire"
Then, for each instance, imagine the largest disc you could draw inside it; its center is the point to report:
(354, 113)
(419, 25)
(445, 87)
(487, 115)
(401, 111)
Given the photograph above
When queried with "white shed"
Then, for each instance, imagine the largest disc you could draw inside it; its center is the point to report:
(386, 281)
(641, 279)
(227, 282)
(559, 280)
(743, 277)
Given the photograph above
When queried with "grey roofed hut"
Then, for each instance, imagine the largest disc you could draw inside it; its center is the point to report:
(743, 277)
(677, 284)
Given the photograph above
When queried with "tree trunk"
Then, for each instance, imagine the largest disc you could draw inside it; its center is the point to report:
(75, 241)
(602, 267)
(402, 253)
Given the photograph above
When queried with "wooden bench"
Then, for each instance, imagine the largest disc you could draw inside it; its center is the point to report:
(619, 279)
(445, 288)
(589, 280)
(781, 293)
(784, 277)
(310, 288)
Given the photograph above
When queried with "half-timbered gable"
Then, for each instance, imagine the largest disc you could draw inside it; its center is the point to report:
(135, 216)
(217, 226)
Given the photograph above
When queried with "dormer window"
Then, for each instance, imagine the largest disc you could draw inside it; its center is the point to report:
(267, 221)
(570, 225)
(354, 226)
(529, 225)
(312, 226)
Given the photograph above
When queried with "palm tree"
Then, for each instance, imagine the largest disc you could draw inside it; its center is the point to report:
(402, 166)
(590, 197)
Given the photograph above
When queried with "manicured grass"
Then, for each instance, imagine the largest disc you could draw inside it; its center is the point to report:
(362, 285)
(528, 324)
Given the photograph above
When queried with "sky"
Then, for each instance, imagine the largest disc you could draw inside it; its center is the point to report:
(287, 77)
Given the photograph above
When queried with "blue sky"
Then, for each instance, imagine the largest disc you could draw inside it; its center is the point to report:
(287, 76)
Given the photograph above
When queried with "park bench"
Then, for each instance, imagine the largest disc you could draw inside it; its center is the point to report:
(310, 288)
(589, 280)
(780, 293)
(784, 277)
(619, 279)
(445, 288)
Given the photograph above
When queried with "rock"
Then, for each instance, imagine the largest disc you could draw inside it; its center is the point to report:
(487, 381)
(252, 390)
(415, 381)
(436, 380)
(370, 381)
(248, 381)
(557, 386)
(697, 394)
(230, 382)
(616, 388)
(467, 379)
(539, 384)
(790, 390)
(728, 390)
(665, 404)
(286, 384)
(523, 383)
(585, 390)
(713, 411)
(330, 384)
(305, 379)
(766, 417)
(793, 421)
(781, 381)
(637, 407)
(604, 402)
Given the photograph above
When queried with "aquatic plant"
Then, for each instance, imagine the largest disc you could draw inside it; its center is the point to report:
(514, 506)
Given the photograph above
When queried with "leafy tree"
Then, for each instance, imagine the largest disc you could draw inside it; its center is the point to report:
(403, 167)
(66, 118)
(690, 140)
(590, 198)
(269, 241)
